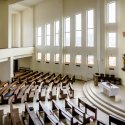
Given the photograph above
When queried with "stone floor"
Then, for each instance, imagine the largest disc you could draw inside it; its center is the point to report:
(78, 87)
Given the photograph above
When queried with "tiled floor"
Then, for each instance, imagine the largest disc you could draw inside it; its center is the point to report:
(78, 87)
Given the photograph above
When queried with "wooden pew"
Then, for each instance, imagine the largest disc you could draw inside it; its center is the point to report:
(36, 78)
(33, 76)
(57, 79)
(31, 94)
(3, 84)
(23, 69)
(42, 94)
(65, 80)
(27, 92)
(15, 115)
(49, 115)
(47, 80)
(77, 111)
(63, 92)
(40, 79)
(1, 117)
(52, 92)
(63, 113)
(70, 91)
(8, 92)
(99, 122)
(25, 76)
(32, 118)
(4, 88)
(19, 95)
(88, 106)
(13, 98)
(7, 119)
(30, 77)
(115, 120)
(19, 75)
(72, 80)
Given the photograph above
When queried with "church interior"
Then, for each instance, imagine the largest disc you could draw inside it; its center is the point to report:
(62, 62)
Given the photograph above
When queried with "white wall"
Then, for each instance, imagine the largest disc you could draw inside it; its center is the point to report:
(27, 28)
(58, 9)
(16, 30)
(70, 9)
(48, 12)
(4, 24)
(14, 52)
(121, 39)
(24, 55)
(25, 62)
(5, 71)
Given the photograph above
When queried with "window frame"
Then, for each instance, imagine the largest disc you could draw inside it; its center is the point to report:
(88, 42)
(47, 43)
(78, 30)
(108, 40)
(38, 36)
(56, 33)
(109, 65)
(108, 13)
(55, 58)
(67, 62)
(93, 62)
(39, 54)
(67, 44)
(76, 57)
(46, 57)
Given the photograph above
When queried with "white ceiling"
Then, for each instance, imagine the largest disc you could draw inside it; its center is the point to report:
(24, 4)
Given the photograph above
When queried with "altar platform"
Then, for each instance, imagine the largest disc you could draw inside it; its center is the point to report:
(114, 105)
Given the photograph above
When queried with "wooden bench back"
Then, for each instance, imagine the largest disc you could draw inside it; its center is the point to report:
(33, 120)
(15, 115)
(88, 106)
(47, 114)
(115, 120)
(62, 112)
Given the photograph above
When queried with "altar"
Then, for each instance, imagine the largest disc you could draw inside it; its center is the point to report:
(109, 88)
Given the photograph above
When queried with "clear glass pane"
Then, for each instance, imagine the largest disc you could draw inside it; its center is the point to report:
(39, 31)
(57, 27)
(38, 56)
(67, 60)
(67, 24)
(78, 59)
(111, 39)
(57, 57)
(57, 40)
(112, 12)
(67, 39)
(48, 40)
(90, 42)
(78, 22)
(90, 19)
(90, 59)
(48, 57)
(78, 38)
(48, 29)
(112, 61)
(39, 41)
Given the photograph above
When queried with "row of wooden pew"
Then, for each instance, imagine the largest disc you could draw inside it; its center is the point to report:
(58, 114)
(26, 85)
